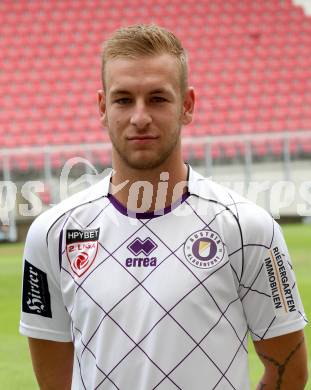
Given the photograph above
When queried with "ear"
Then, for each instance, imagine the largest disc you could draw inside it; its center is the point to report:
(188, 106)
(102, 107)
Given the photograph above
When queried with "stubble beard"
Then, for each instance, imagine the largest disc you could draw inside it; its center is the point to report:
(145, 163)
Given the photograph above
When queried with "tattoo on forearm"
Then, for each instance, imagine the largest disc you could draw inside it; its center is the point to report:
(280, 366)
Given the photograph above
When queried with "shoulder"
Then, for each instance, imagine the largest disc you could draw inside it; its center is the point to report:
(45, 221)
(252, 219)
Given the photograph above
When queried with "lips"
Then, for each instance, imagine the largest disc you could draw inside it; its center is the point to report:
(142, 137)
(142, 140)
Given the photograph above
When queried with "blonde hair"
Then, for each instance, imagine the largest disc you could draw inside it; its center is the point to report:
(145, 40)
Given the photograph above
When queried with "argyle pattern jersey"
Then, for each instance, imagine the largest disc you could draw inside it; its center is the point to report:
(161, 300)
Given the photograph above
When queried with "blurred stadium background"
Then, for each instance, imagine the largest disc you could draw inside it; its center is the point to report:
(250, 64)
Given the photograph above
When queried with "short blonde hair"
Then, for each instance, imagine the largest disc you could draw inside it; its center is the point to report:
(145, 40)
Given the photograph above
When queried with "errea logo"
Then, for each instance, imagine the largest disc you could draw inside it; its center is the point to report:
(141, 247)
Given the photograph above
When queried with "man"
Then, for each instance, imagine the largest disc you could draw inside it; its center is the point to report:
(154, 277)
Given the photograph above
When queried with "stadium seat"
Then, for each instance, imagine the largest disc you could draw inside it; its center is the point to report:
(306, 146)
(45, 196)
(249, 61)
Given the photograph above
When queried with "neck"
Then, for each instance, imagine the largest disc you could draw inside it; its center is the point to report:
(149, 189)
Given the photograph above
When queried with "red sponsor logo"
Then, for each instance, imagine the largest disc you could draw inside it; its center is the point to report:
(81, 255)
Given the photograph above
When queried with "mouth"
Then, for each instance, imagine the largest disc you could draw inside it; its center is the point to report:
(144, 136)
(142, 139)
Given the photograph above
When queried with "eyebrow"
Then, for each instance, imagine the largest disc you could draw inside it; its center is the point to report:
(153, 92)
(159, 90)
(119, 92)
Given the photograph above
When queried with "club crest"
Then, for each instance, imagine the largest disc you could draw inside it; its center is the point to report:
(81, 249)
(204, 249)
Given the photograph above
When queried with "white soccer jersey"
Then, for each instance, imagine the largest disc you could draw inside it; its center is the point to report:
(161, 301)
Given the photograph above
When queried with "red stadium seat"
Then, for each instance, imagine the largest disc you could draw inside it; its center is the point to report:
(306, 146)
(250, 64)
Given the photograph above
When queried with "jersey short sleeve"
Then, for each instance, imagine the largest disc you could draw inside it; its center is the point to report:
(268, 288)
(43, 314)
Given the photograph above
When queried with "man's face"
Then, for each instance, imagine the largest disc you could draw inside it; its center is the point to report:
(143, 108)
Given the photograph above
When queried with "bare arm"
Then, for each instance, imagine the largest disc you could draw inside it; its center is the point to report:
(285, 362)
(52, 363)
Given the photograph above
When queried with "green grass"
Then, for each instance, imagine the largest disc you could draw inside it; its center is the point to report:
(15, 366)
(298, 239)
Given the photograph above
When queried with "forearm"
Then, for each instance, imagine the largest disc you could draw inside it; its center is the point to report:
(280, 381)
(285, 362)
(51, 382)
(52, 363)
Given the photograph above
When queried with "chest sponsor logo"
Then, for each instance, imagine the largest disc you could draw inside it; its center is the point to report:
(280, 282)
(81, 249)
(141, 249)
(36, 295)
(204, 249)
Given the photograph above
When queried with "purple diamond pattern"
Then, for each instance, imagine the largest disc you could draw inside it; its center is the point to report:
(136, 345)
(147, 246)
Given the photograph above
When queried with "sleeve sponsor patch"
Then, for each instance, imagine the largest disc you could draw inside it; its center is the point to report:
(36, 296)
(280, 282)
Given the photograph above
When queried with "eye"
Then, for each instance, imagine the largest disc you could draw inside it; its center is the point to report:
(122, 101)
(158, 99)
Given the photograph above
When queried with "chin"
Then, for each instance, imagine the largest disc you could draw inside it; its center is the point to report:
(145, 161)
(144, 164)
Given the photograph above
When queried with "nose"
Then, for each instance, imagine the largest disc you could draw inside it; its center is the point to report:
(140, 117)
